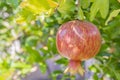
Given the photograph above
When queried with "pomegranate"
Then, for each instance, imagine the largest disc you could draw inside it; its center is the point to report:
(77, 41)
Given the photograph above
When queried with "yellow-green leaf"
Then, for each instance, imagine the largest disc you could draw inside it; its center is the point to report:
(38, 6)
(85, 3)
(25, 15)
(20, 20)
(94, 9)
(101, 6)
(112, 15)
(6, 75)
(80, 14)
(52, 3)
(104, 8)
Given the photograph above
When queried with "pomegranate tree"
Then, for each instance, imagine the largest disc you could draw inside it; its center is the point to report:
(77, 41)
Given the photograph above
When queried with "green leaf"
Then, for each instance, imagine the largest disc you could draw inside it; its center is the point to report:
(113, 71)
(94, 9)
(20, 65)
(92, 0)
(25, 15)
(80, 14)
(25, 71)
(52, 45)
(104, 47)
(95, 77)
(57, 72)
(85, 3)
(13, 3)
(43, 67)
(31, 41)
(66, 6)
(93, 69)
(112, 15)
(62, 61)
(34, 55)
(104, 8)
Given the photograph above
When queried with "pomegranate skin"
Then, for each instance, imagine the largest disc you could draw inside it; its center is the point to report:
(78, 40)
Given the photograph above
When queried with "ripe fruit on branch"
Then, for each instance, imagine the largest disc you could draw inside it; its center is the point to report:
(78, 40)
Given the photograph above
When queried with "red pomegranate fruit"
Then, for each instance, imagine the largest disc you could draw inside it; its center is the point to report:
(77, 41)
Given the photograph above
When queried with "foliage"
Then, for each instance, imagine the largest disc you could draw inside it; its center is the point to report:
(33, 25)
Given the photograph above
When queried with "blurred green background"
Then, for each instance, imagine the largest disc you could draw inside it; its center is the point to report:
(28, 31)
